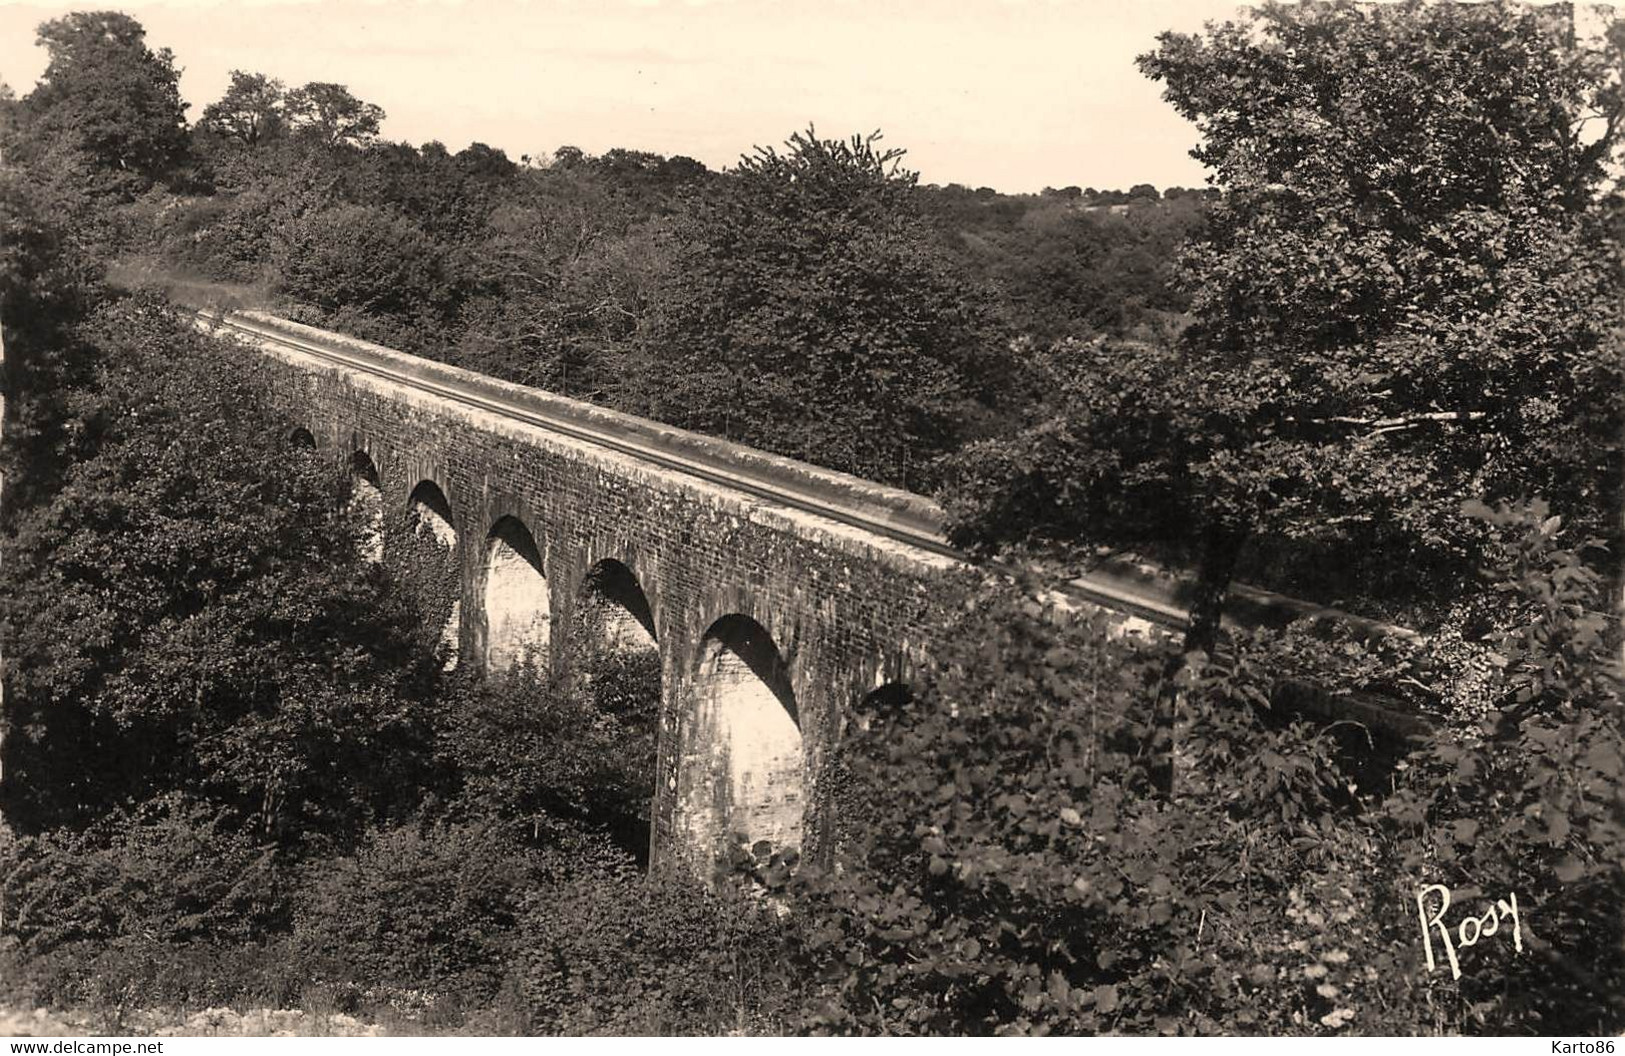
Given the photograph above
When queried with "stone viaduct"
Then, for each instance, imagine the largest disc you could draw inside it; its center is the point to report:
(779, 596)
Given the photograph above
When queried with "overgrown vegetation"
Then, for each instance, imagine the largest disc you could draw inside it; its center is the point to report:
(1021, 873)
(238, 772)
(1384, 325)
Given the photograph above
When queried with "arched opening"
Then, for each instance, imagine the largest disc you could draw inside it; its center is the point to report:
(366, 506)
(743, 771)
(614, 609)
(431, 514)
(517, 610)
(302, 437)
(612, 658)
(881, 703)
(853, 780)
(434, 546)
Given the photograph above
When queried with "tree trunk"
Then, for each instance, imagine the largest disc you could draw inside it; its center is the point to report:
(1221, 549)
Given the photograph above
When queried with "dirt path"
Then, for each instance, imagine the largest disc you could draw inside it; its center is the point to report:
(210, 1022)
(16, 1023)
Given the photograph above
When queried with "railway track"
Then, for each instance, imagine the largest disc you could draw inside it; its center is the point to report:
(912, 527)
(1152, 594)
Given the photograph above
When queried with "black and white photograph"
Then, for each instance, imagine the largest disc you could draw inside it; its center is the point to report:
(833, 518)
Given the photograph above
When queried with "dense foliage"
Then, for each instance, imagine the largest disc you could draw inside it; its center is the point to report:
(1404, 298)
(189, 610)
(107, 112)
(814, 316)
(816, 302)
(238, 771)
(1018, 873)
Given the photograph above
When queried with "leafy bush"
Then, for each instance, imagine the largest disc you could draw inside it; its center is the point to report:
(431, 907)
(544, 756)
(367, 259)
(1023, 874)
(222, 237)
(173, 903)
(1533, 800)
(1020, 873)
(190, 610)
(175, 870)
(607, 950)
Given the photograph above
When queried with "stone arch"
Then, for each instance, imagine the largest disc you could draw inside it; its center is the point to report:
(516, 606)
(613, 606)
(743, 767)
(610, 654)
(431, 514)
(434, 542)
(302, 437)
(846, 806)
(366, 506)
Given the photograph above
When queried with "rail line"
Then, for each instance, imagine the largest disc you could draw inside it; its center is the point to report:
(755, 486)
(1136, 590)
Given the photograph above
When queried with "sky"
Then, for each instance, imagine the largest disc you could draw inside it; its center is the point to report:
(1012, 94)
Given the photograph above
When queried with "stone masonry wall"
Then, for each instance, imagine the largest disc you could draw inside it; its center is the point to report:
(844, 611)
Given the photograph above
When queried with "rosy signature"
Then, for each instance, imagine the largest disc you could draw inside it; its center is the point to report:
(1469, 931)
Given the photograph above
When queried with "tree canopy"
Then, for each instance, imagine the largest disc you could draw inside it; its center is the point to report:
(190, 610)
(250, 112)
(1404, 297)
(110, 98)
(813, 313)
(330, 115)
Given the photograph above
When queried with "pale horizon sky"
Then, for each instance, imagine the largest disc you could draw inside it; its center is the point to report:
(1013, 94)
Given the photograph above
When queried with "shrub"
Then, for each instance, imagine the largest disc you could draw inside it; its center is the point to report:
(171, 903)
(1532, 802)
(1020, 872)
(367, 259)
(543, 756)
(174, 870)
(190, 610)
(222, 237)
(114, 978)
(431, 908)
(606, 950)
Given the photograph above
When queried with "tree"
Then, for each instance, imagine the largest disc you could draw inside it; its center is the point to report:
(190, 612)
(813, 313)
(330, 116)
(250, 112)
(366, 259)
(570, 276)
(1013, 872)
(1066, 272)
(109, 97)
(1404, 298)
(8, 115)
(47, 283)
